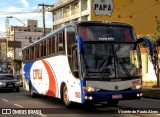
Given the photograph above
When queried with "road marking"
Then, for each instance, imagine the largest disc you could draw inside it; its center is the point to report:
(150, 99)
(42, 115)
(18, 105)
(5, 100)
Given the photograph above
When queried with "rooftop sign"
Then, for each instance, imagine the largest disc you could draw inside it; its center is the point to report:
(103, 7)
(14, 44)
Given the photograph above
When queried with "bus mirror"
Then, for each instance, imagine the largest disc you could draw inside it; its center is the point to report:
(80, 44)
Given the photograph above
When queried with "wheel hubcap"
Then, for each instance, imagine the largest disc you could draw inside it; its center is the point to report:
(65, 96)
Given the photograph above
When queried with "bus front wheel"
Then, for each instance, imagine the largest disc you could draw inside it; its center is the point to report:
(66, 100)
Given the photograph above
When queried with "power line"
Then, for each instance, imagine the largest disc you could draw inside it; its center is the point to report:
(43, 14)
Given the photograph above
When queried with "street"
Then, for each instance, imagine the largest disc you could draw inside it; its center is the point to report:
(54, 107)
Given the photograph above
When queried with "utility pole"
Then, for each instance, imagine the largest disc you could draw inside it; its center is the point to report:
(43, 14)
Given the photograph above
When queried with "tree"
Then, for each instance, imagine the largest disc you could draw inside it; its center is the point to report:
(155, 39)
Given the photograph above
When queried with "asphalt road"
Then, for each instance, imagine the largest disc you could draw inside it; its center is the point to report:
(22, 103)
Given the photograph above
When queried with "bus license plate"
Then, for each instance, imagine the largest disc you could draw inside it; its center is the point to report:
(10, 85)
(116, 96)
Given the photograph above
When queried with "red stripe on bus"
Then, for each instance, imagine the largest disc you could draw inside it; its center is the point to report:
(52, 82)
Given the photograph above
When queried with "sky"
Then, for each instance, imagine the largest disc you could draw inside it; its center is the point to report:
(23, 10)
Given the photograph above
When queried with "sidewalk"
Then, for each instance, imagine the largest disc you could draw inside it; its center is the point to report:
(150, 92)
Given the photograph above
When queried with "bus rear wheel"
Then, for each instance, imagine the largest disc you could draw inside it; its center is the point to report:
(66, 100)
(32, 94)
(113, 102)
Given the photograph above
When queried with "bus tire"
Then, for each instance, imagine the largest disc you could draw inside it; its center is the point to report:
(65, 97)
(113, 102)
(32, 94)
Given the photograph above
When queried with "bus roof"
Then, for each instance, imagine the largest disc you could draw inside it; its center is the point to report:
(81, 23)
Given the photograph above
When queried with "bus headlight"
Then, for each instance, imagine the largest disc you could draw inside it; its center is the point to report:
(90, 89)
(137, 87)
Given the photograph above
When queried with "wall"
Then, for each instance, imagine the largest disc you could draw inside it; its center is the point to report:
(142, 14)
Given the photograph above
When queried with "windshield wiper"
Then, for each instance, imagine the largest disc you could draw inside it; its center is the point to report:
(121, 64)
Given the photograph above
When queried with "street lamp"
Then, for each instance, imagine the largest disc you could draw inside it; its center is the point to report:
(15, 18)
(7, 24)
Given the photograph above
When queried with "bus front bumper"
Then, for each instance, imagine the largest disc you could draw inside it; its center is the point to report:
(117, 95)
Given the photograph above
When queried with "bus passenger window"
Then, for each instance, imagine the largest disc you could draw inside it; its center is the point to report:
(44, 51)
(53, 45)
(41, 52)
(37, 51)
(74, 60)
(56, 43)
(50, 46)
(60, 42)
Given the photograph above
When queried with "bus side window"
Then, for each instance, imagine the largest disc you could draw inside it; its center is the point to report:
(41, 49)
(70, 43)
(60, 42)
(44, 50)
(56, 43)
(75, 63)
(37, 51)
(50, 46)
(53, 45)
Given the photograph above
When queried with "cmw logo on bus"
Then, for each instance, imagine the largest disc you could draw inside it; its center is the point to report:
(103, 7)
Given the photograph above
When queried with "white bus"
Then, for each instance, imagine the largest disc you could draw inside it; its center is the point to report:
(85, 61)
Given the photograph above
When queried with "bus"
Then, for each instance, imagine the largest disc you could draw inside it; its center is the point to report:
(85, 61)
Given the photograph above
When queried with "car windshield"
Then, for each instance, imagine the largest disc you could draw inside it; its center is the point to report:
(112, 60)
(6, 77)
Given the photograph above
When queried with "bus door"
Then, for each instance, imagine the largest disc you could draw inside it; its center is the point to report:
(75, 83)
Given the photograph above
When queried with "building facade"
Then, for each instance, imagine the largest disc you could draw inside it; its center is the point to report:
(3, 50)
(21, 36)
(3, 54)
(142, 14)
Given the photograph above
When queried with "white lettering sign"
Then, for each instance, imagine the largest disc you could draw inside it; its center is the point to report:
(103, 7)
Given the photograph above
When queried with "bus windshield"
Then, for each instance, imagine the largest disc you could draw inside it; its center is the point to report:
(111, 60)
(112, 52)
(106, 33)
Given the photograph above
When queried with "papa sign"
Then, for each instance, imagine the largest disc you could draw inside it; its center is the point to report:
(103, 7)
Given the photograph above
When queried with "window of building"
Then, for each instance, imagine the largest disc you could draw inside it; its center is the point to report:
(30, 39)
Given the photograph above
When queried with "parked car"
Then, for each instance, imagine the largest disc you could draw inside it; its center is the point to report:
(19, 77)
(8, 81)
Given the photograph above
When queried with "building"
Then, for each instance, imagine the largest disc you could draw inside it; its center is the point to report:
(3, 54)
(66, 11)
(142, 14)
(3, 50)
(20, 36)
